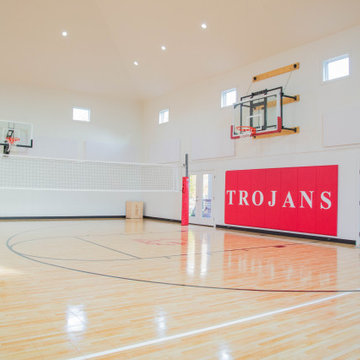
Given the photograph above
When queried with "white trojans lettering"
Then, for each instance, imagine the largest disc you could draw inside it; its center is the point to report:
(257, 199)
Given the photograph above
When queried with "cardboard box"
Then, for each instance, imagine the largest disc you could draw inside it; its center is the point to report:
(134, 209)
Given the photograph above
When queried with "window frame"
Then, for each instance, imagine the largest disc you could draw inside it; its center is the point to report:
(81, 108)
(223, 97)
(325, 68)
(161, 117)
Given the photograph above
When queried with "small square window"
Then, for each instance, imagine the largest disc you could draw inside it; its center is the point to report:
(336, 68)
(81, 114)
(163, 116)
(228, 97)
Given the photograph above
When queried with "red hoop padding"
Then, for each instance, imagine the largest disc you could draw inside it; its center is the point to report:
(246, 130)
(11, 140)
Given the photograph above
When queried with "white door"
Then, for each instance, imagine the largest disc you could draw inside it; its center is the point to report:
(201, 199)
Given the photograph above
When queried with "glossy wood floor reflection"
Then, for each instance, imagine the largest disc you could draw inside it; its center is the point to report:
(133, 289)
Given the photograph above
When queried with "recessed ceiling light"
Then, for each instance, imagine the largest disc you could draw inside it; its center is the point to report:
(163, 47)
(136, 63)
(64, 34)
(203, 26)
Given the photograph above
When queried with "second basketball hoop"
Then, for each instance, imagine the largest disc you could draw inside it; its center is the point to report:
(15, 134)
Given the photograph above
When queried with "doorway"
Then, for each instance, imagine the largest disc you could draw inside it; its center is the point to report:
(201, 198)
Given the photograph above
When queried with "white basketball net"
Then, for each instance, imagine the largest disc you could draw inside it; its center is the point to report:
(245, 131)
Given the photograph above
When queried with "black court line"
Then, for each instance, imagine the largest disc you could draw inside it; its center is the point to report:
(10, 247)
(146, 258)
(78, 238)
(106, 247)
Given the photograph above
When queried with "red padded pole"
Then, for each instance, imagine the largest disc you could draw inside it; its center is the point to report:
(185, 201)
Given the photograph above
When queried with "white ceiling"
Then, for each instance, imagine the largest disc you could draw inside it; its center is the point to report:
(106, 36)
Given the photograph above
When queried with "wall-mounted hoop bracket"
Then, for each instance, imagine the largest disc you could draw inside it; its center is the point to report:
(276, 72)
(263, 111)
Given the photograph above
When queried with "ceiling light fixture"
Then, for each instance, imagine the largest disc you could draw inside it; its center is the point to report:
(64, 33)
(163, 47)
(136, 63)
(203, 26)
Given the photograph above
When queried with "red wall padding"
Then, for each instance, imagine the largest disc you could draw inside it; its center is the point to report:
(306, 199)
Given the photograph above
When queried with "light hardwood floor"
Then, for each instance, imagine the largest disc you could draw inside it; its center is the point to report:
(133, 289)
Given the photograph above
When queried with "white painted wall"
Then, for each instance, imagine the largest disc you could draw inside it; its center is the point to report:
(114, 134)
(40, 203)
(195, 113)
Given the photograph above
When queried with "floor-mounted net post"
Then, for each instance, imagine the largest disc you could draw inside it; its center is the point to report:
(185, 194)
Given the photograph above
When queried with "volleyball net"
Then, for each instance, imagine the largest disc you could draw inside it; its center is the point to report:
(37, 173)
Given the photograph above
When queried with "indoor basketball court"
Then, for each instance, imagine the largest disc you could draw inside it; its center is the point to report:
(168, 192)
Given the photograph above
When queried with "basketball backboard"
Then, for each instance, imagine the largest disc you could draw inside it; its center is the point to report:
(15, 134)
(261, 110)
